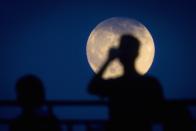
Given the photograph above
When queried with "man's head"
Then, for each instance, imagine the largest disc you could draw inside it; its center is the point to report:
(30, 91)
(129, 47)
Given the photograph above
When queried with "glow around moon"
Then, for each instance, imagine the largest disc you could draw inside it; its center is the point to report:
(107, 34)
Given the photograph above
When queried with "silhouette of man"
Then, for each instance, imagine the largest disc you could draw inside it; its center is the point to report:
(134, 101)
(31, 97)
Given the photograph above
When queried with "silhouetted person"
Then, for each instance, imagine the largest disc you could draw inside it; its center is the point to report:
(134, 101)
(31, 97)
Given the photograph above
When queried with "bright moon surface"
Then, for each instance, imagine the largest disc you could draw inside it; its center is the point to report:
(107, 34)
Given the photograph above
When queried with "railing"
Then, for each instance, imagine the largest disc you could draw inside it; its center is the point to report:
(87, 123)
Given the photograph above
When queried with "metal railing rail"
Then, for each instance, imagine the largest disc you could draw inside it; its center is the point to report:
(70, 123)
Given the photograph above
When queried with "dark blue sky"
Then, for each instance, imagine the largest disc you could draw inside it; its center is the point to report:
(48, 38)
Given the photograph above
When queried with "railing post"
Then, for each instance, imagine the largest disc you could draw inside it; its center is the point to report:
(88, 127)
(69, 126)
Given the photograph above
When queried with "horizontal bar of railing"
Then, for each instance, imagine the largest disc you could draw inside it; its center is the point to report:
(60, 103)
(66, 121)
(188, 102)
(72, 122)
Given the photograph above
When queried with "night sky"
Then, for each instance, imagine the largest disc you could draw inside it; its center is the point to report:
(48, 38)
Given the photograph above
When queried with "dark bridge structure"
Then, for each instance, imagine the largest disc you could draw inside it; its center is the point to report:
(70, 123)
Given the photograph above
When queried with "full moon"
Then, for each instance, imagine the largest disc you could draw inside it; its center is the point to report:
(107, 34)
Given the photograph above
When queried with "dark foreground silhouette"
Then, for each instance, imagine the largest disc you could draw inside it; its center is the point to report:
(34, 117)
(135, 102)
(178, 118)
